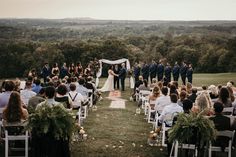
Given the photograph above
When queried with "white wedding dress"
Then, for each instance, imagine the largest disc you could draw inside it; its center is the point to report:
(109, 84)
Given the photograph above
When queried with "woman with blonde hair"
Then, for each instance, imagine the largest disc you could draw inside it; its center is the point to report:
(155, 94)
(203, 105)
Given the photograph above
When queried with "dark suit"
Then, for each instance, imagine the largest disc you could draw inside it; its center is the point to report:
(116, 79)
(145, 71)
(45, 73)
(190, 75)
(122, 75)
(183, 71)
(160, 72)
(137, 70)
(175, 72)
(193, 97)
(153, 71)
(168, 73)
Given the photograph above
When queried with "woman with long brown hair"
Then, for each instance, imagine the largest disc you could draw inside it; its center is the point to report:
(14, 111)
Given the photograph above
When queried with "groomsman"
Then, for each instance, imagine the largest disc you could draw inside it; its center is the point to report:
(145, 71)
(183, 72)
(45, 72)
(176, 72)
(190, 73)
(168, 73)
(137, 70)
(160, 71)
(116, 78)
(153, 70)
(122, 75)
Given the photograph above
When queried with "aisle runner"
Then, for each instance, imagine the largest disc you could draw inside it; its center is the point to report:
(116, 102)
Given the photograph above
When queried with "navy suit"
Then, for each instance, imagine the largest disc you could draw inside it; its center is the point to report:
(145, 71)
(45, 73)
(183, 72)
(116, 79)
(153, 71)
(176, 72)
(160, 71)
(122, 75)
(168, 73)
(137, 70)
(190, 75)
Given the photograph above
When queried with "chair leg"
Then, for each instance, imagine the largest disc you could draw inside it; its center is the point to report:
(230, 148)
(176, 149)
(209, 150)
(26, 145)
(6, 144)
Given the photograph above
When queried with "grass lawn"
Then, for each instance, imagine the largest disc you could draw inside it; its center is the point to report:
(116, 133)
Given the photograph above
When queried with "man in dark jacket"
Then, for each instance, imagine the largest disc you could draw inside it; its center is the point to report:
(122, 75)
(45, 72)
(190, 73)
(168, 73)
(153, 70)
(183, 71)
(116, 78)
(137, 70)
(145, 71)
(160, 71)
(175, 72)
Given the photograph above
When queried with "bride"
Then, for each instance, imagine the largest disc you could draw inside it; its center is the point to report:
(109, 84)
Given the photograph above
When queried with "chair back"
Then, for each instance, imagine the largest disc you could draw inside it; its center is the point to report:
(228, 110)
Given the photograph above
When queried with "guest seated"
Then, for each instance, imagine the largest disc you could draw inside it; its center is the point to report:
(173, 90)
(221, 123)
(62, 97)
(163, 100)
(202, 105)
(14, 111)
(153, 97)
(154, 83)
(81, 89)
(76, 98)
(4, 97)
(170, 111)
(224, 97)
(139, 82)
(37, 86)
(213, 92)
(189, 88)
(193, 96)
(144, 86)
(27, 93)
(35, 100)
(182, 97)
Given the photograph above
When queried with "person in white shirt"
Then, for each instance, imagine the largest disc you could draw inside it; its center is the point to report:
(27, 93)
(76, 98)
(163, 100)
(170, 111)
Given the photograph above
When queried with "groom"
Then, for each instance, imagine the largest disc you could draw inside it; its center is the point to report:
(122, 75)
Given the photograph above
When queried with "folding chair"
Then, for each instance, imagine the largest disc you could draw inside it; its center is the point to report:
(164, 129)
(228, 134)
(176, 145)
(90, 98)
(1, 112)
(15, 137)
(150, 111)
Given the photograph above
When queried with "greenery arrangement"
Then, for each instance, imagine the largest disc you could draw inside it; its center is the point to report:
(56, 122)
(193, 128)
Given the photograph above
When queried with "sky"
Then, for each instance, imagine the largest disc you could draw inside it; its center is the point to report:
(120, 9)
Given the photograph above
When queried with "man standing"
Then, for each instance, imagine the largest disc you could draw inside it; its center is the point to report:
(190, 73)
(160, 71)
(153, 70)
(122, 75)
(137, 70)
(168, 73)
(116, 78)
(63, 71)
(183, 71)
(145, 71)
(45, 72)
(176, 72)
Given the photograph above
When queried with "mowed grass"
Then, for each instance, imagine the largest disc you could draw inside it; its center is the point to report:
(116, 133)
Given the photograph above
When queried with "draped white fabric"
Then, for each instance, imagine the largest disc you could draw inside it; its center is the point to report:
(119, 61)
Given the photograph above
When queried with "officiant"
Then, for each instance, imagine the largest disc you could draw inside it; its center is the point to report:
(122, 75)
(116, 78)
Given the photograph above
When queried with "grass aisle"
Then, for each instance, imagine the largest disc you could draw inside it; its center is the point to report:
(116, 133)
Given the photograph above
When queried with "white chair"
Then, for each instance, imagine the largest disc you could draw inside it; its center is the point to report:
(227, 133)
(164, 129)
(155, 125)
(176, 145)
(1, 111)
(21, 137)
(143, 97)
(150, 111)
(84, 112)
(90, 98)
(228, 110)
